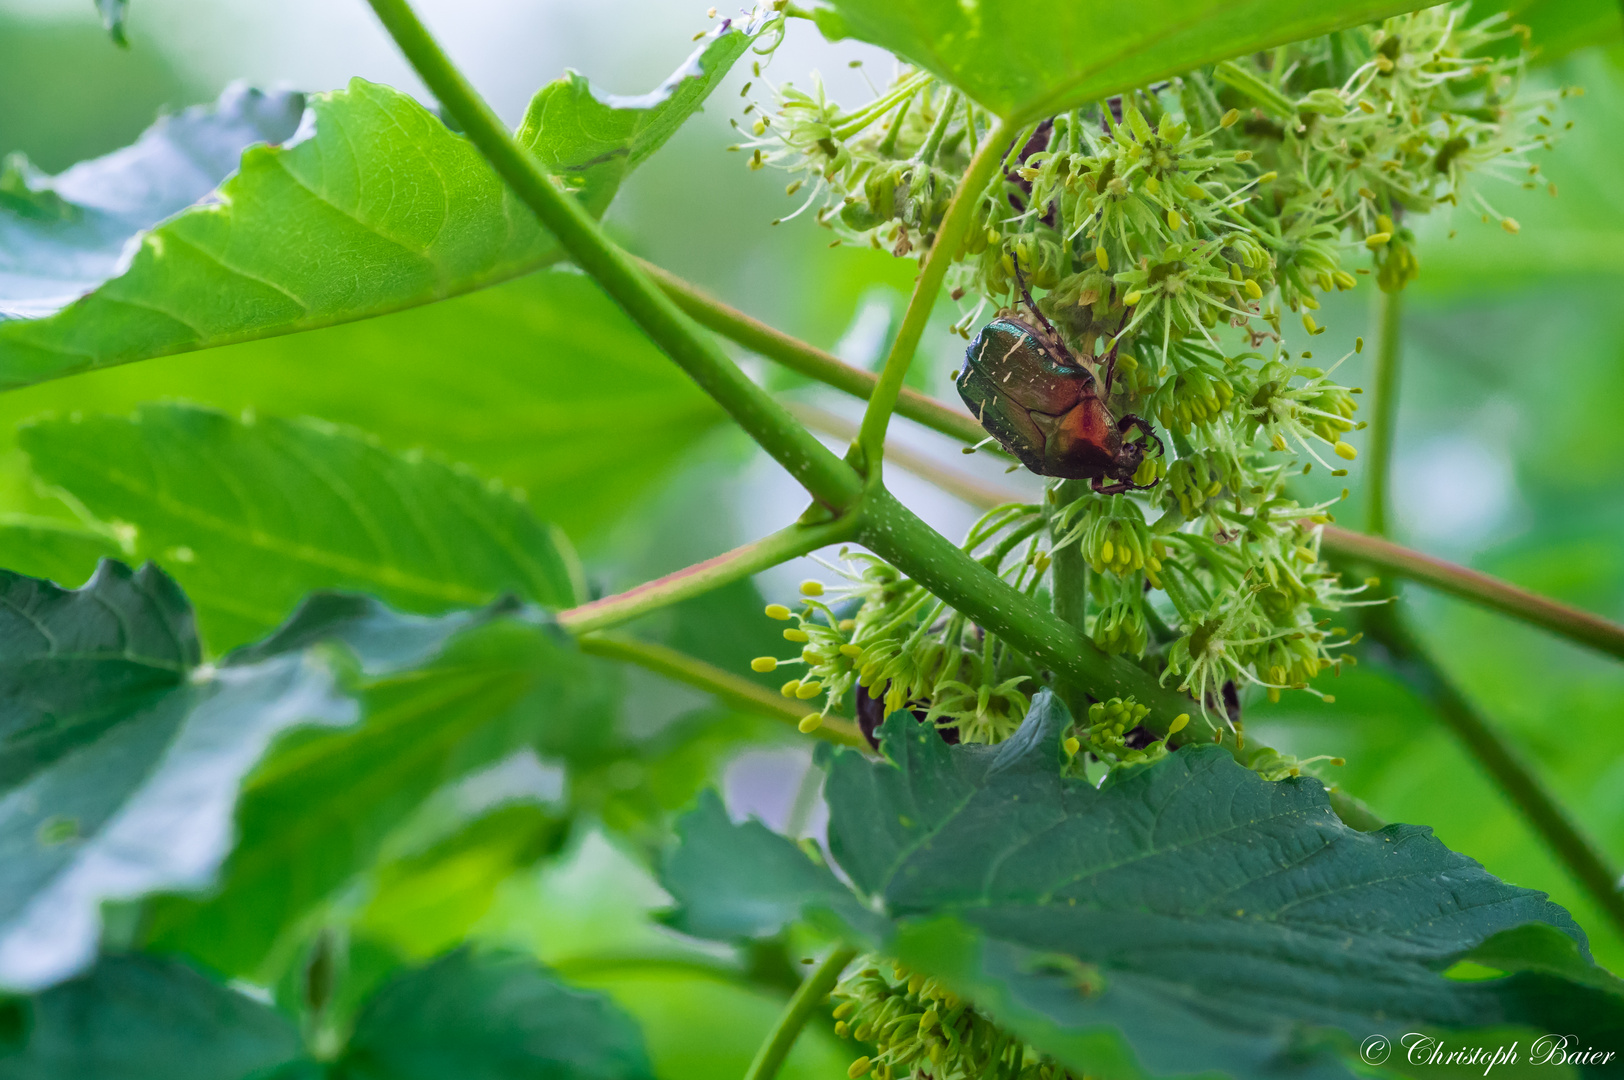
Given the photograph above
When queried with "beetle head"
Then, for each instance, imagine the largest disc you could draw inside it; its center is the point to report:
(1128, 459)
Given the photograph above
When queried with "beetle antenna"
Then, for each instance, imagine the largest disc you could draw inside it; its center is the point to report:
(1054, 335)
(1110, 361)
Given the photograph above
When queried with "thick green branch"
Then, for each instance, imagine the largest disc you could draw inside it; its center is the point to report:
(1584, 860)
(797, 355)
(823, 474)
(1070, 567)
(729, 688)
(1379, 450)
(950, 237)
(1479, 588)
(700, 578)
(800, 1009)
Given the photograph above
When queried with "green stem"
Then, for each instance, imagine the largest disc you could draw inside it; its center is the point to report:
(729, 688)
(1584, 860)
(950, 237)
(1478, 588)
(1070, 568)
(938, 130)
(888, 145)
(812, 362)
(1389, 341)
(827, 478)
(847, 126)
(781, 546)
(806, 1001)
(1070, 577)
(895, 534)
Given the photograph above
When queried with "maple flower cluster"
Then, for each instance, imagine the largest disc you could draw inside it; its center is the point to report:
(1175, 228)
(916, 1027)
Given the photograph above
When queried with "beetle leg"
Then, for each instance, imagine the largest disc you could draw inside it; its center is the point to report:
(1113, 489)
(1130, 421)
(1056, 347)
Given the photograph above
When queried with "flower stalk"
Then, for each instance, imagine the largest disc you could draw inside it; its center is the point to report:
(808, 998)
(726, 687)
(1378, 472)
(870, 445)
(700, 578)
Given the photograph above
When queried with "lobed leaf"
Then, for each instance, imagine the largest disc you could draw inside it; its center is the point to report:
(119, 756)
(252, 514)
(122, 756)
(141, 1018)
(379, 208)
(1027, 59)
(447, 696)
(62, 236)
(1187, 916)
(483, 1017)
(490, 1018)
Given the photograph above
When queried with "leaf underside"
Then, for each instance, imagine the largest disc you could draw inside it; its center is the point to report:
(1027, 59)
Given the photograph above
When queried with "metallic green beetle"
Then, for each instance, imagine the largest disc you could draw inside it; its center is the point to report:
(1042, 406)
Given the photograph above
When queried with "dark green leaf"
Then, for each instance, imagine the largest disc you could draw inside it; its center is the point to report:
(138, 1018)
(317, 811)
(1027, 59)
(113, 14)
(62, 236)
(119, 757)
(252, 515)
(1187, 916)
(490, 1018)
(784, 884)
(402, 212)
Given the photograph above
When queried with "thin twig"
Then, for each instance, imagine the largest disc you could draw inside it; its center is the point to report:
(950, 235)
(1379, 449)
(785, 544)
(1476, 587)
(738, 692)
(797, 355)
(1506, 765)
(781, 1039)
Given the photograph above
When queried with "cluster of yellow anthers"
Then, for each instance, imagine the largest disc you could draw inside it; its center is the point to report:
(918, 1028)
(1195, 480)
(826, 648)
(882, 632)
(1111, 724)
(1113, 537)
(1318, 408)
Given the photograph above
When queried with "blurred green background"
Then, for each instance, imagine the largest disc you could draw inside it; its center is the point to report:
(1510, 452)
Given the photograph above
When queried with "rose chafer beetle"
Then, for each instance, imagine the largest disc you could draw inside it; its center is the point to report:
(1030, 394)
